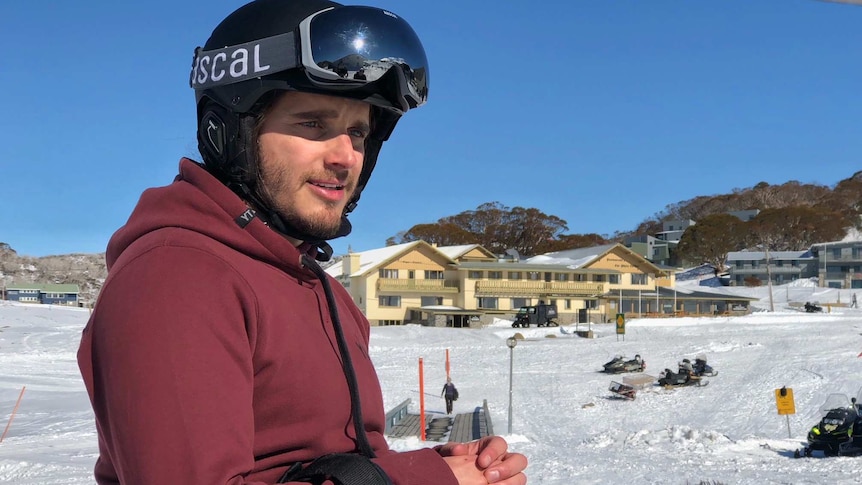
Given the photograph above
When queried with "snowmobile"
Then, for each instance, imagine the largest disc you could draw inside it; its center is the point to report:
(812, 307)
(839, 431)
(670, 379)
(619, 365)
(701, 368)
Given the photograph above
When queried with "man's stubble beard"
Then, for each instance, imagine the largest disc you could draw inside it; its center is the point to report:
(318, 227)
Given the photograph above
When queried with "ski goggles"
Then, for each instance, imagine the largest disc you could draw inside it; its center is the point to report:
(342, 49)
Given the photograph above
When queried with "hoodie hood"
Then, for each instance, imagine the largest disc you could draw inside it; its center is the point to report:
(196, 201)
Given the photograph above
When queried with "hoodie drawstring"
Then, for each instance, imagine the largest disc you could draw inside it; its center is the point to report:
(349, 373)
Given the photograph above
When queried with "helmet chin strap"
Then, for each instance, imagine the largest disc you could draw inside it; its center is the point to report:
(277, 223)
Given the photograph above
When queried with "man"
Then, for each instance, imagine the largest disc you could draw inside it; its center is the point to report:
(219, 352)
(450, 393)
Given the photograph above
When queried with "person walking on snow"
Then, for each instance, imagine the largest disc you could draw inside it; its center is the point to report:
(450, 392)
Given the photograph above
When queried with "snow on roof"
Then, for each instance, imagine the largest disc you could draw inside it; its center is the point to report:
(369, 259)
(454, 252)
(573, 258)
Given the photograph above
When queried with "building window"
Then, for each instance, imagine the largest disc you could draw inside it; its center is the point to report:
(495, 275)
(614, 279)
(514, 275)
(739, 265)
(433, 275)
(755, 264)
(489, 303)
(599, 278)
(639, 279)
(411, 275)
(390, 301)
(836, 253)
(475, 275)
(519, 302)
(561, 276)
(389, 273)
(568, 304)
(779, 263)
(432, 300)
(591, 304)
(386, 323)
(534, 275)
(794, 264)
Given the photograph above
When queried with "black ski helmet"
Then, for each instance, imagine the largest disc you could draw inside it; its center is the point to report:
(316, 46)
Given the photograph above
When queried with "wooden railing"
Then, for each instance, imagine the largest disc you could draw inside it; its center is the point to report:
(396, 414)
(537, 288)
(406, 285)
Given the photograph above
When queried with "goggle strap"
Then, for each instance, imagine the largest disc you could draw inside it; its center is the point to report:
(242, 62)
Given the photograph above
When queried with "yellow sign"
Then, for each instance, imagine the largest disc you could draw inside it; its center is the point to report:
(621, 323)
(784, 401)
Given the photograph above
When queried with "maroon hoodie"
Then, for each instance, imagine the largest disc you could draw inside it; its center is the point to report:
(211, 358)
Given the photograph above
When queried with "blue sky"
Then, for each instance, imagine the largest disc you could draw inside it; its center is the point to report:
(601, 112)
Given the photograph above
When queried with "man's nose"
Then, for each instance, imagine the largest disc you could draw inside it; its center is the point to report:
(340, 150)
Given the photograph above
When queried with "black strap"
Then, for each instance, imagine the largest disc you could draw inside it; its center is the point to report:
(340, 469)
(362, 444)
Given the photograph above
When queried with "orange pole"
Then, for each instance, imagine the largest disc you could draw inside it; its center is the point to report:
(15, 410)
(421, 402)
(447, 363)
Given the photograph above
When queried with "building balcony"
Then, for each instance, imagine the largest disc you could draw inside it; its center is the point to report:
(762, 270)
(844, 258)
(538, 288)
(400, 285)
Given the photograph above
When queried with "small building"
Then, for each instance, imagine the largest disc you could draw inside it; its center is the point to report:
(662, 301)
(839, 264)
(671, 231)
(47, 294)
(656, 250)
(781, 266)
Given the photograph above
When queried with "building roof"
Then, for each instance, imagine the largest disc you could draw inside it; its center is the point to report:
(45, 287)
(761, 255)
(844, 243)
(454, 252)
(679, 294)
(372, 259)
(573, 258)
(581, 258)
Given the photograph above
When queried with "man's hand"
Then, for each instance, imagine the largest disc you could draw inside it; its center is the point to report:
(490, 456)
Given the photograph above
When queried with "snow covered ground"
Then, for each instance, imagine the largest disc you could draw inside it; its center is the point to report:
(564, 418)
